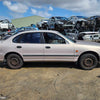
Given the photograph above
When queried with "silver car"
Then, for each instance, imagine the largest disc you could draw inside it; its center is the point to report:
(44, 45)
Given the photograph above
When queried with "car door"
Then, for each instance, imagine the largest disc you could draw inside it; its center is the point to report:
(57, 48)
(31, 46)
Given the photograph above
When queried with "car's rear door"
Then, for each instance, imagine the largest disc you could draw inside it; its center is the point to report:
(57, 48)
(31, 46)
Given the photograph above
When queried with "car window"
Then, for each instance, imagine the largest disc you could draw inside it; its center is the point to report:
(51, 38)
(17, 38)
(28, 38)
(95, 35)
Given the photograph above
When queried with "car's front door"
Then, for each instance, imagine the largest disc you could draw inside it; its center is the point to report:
(31, 46)
(57, 48)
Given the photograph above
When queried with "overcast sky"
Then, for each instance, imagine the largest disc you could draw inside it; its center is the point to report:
(46, 8)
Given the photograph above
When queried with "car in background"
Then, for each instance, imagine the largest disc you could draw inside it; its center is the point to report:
(94, 22)
(34, 26)
(80, 22)
(44, 45)
(75, 19)
(86, 34)
(96, 37)
(58, 23)
(42, 24)
(6, 25)
(17, 30)
(2, 34)
(72, 34)
(92, 37)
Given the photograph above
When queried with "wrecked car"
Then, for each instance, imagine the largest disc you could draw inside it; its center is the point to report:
(59, 23)
(92, 37)
(94, 23)
(80, 22)
(42, 24)
(5, 25)
(86, 35)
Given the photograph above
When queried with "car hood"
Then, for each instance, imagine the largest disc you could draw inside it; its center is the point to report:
(87, 43)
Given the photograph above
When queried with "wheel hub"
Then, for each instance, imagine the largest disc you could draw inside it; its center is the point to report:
(88, 62)
(14, 61)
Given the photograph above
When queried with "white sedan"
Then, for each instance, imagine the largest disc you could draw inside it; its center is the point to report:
(44, 45)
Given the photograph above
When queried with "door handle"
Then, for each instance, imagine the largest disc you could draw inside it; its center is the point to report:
(19, 47)
(47, 47)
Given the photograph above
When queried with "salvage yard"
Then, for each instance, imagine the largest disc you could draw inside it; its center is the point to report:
(49, 81)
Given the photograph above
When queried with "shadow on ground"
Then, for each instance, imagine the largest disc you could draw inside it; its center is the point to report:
(50, 64)
(46, 64)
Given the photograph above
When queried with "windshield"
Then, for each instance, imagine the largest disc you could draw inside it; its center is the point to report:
(61, 18)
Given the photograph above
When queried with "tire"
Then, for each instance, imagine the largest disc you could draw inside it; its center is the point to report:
(88, 61)
(14, 61)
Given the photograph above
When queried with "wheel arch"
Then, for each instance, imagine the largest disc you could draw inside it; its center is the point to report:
(5, 57)
(91, 52)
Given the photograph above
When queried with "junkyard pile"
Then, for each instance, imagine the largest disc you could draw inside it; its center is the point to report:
(75, 27)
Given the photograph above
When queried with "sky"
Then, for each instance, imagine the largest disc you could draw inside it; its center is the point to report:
(11, 9)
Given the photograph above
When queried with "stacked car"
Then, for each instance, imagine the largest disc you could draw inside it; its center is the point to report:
(94, 23)
(5, 25)
(59, 23)
(80, 22)
(42, 24)
(73, 26)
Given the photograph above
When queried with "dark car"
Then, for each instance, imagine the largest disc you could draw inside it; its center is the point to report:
(58, 23)
(80, 22)
(94, 23)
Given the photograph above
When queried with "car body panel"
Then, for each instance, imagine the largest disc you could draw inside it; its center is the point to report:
(59, 52)
(35, 52)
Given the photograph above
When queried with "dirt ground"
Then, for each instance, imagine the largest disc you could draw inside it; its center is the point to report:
(49, 81)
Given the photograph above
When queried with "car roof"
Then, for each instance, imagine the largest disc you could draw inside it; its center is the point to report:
(40, 31)
(31, 31)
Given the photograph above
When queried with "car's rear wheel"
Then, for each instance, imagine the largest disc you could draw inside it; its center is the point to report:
(14, 61)
(88, 61)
